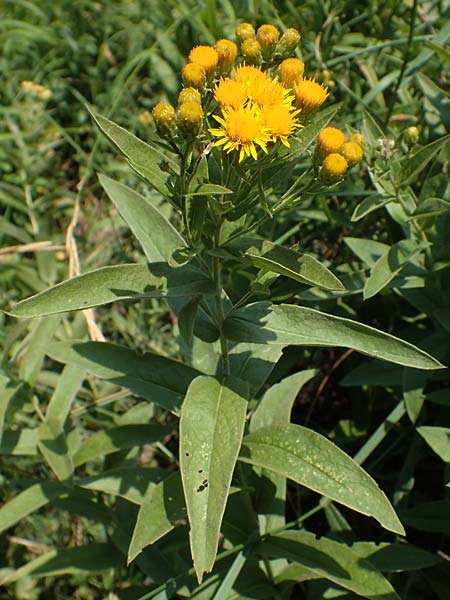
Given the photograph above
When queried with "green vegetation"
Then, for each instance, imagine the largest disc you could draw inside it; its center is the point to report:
(106, 413)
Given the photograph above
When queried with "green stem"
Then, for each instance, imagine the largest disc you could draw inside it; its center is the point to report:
(220, 315)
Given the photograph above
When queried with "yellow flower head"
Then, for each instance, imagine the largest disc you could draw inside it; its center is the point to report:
(229, 92)
(248, 74)
(242, 129)
(194, 75)
(309, 95)
(245, 31)
(34, 89)
(291, 71)
(352, 152)
(227, 52)
(329, 140)
(267, 92)
(358, 138)
(251, 52)
(267, 36)
(281, 122)
(189, 94)
(207, 57)
(190, 117)
(334, 166)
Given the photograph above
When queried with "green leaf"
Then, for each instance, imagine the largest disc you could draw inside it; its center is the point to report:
(110, 284)
(28, 501)
(414, 164)
(438, 438)
(69, 382)
(53, 445)
(253, 363)
(211, 427)
(159, 379)
(148, 161)
(313, 461)
(83, 559)
(110, 440)
(297, 266)
(283, 324)
(162, 509)
(369, 205)
(129, 483)
(333, 561)
(157, 236)
(431, 207)
(7, 393)
(186, 319)
(368, 251)
(389, 265)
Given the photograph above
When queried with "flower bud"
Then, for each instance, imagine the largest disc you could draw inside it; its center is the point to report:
(309, 96)
(251, 52)
(227, 52)
(288, 42)
(352, 152)
(333, 167)
(357, 138)
(194, 75)
(245, 31)
(267, 37)
(145, 118)
(411, 136)
(329, 141)
(189, 94)
(165, 118)
(190, 118)
(291, 71)
(207, 57)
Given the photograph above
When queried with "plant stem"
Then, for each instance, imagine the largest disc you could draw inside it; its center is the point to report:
(220, 315)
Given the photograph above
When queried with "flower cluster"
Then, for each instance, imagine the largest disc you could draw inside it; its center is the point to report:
(259, 100)
(334, 155)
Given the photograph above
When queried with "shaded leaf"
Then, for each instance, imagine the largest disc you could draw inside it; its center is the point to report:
(129, 483)
(159, 379)
(157, 236)
(285, 324)
(110, 284)
(438, 438)
(52, 444)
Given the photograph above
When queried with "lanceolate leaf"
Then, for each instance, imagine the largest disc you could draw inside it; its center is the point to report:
(438, 438)
(110, 284)
(331, 560)
(211, 428)
(284, 324)
(52, 444)
(158, 238)
(418, 161)
(301, 267)
(159, 379)
(148, 161)
(313, 461)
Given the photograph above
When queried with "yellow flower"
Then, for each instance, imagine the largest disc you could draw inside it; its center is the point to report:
(309, 95)
(145, 118)
(194, 75)
(329, 140)
(248, 74)
(352, 152)
(268, 93)
(291, 71)
(281, 122)
(207, 57)
(334, 166)
(189, 94)
(241, 129)
(230, 93)
(34, 89)
(227, 52)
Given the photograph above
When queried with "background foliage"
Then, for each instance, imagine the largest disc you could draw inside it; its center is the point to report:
(122, 57)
